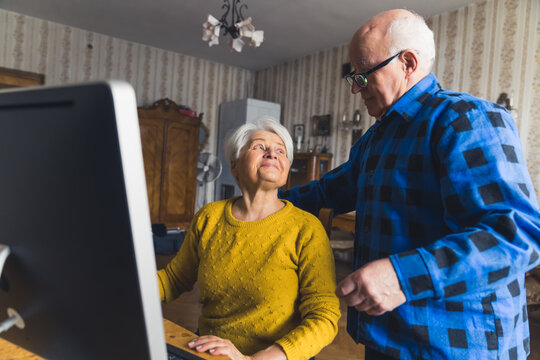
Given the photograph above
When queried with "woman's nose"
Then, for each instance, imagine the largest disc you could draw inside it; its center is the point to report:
(270, 154)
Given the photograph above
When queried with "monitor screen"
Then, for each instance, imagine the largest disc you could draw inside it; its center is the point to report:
(74, 213)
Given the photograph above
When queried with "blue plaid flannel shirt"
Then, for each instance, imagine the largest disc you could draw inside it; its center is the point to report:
(441, 187)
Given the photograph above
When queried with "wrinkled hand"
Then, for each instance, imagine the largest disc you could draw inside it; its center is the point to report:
(217, 346)
(374, 288)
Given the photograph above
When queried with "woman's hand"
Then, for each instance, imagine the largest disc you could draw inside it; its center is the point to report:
(217, 346)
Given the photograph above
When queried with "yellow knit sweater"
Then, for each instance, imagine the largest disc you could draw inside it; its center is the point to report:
(262, 282)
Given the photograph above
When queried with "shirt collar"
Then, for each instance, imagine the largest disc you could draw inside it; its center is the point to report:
(408, 106)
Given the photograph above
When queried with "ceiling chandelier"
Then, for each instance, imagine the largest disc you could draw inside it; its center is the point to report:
(238, 27)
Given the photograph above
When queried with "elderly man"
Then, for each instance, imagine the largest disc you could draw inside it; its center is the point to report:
(447, 220)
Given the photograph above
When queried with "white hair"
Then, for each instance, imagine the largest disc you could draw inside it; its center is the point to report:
(239, 139)
(412, 32)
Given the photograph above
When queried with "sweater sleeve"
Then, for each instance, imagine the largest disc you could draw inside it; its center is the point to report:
(181, 273)
(319, 306)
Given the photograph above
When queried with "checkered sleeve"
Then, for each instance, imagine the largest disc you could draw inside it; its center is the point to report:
(336, 189)
(490, 208)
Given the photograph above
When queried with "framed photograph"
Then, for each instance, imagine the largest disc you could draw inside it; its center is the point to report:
(345, 69)
(321, 125)
(298, 132)
(356, 134)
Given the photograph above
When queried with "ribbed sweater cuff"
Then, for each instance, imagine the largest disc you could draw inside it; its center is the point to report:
(290, 350)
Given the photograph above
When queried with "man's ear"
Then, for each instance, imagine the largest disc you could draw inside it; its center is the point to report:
(410, 61)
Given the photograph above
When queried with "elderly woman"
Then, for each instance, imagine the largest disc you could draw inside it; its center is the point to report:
(264, 267)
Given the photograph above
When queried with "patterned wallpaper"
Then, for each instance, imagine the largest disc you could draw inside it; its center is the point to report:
(483, 49)
(312, 85)
(66, 55)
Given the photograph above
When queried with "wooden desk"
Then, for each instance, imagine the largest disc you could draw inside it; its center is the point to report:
(174, 335)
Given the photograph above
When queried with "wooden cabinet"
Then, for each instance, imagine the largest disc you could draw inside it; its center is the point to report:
(170, 142)
(10, 78)
(307, 167)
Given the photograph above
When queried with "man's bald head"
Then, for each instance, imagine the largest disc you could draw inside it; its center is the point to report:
(378, 25)
(395, 30)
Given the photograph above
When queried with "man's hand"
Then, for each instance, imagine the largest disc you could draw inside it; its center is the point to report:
(374, 288)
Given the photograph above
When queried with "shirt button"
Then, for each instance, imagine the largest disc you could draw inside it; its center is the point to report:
(366, 228)
(371, 172)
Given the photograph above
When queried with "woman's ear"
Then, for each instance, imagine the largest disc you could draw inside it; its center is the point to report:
(234, 171)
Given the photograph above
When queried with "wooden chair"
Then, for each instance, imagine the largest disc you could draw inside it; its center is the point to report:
(326, 216)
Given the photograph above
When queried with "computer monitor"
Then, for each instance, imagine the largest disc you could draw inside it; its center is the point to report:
(74, 213)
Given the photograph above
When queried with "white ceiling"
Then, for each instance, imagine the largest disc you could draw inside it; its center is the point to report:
(292, 28)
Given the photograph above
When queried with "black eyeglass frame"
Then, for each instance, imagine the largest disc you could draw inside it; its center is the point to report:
(361, 79)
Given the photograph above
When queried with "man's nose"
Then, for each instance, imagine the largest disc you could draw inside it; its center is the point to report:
(355, 89)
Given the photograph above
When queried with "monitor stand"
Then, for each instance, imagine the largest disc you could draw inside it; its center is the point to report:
(4, 253)
(13, 316)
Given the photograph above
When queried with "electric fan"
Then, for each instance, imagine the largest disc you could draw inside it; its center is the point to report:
(208, 170)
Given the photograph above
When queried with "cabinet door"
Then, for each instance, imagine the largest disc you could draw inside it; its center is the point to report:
(323, 164)
(179, 180)
(152, 146)
(298, 174)
(307, 167)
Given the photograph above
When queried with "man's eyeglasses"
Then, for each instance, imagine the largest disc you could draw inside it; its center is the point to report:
(361, 79)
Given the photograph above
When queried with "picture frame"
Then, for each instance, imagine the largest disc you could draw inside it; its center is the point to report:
(356, 135)
(321, 125)
(298, 132)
